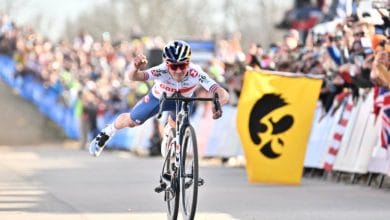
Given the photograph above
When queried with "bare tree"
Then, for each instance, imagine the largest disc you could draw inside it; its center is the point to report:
(12, 6)
(180, 19)
(166, 18)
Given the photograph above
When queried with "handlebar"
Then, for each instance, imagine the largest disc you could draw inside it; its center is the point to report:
(179, 97)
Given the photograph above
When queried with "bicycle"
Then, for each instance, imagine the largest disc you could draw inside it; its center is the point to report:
(180, 172)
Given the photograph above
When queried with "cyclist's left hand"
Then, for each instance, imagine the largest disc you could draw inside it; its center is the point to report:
(140, 60)
(217, 114)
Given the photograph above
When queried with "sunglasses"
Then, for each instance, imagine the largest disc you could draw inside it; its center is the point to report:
(175, 66)
(359, 34)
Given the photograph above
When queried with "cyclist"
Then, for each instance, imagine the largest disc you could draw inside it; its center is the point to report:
(175, 73)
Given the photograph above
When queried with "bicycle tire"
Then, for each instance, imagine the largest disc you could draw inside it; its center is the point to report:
(172, 203)
(190, 174)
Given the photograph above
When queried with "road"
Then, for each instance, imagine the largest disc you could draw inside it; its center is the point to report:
(64, 183)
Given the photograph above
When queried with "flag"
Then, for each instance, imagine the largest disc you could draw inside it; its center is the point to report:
(382, 101)
(275, 114)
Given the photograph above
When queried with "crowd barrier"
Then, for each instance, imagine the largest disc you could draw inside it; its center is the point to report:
(217, 139)
(337, 134)
(355, 151)
(46, 99)
(214, 139)
(345, 139)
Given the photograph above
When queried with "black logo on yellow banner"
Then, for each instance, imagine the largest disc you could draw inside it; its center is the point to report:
(260, 115)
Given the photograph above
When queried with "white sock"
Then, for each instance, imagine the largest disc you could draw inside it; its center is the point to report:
(110, 129)
(167, 129)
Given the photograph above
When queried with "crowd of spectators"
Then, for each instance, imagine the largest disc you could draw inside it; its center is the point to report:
(350, 53)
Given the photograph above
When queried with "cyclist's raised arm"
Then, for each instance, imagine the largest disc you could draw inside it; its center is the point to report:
(134, 71)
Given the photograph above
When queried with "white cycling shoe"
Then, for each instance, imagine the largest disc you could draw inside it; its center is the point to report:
(98, 143)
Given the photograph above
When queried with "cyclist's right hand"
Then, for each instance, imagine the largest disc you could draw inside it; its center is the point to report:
(139, 61)
(217, 114)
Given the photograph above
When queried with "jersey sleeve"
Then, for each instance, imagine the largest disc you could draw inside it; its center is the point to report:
(153, 72)
(206, 82)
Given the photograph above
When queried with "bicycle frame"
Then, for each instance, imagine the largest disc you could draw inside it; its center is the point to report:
(181, 122)
(182, 113)
(173, 182)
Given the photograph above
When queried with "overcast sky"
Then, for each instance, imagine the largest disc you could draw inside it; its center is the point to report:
(54, 12)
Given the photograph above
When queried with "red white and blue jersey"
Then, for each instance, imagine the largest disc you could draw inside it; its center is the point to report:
(163, 81)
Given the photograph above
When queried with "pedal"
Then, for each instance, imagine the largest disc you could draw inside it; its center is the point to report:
(200, 182)
(161, 187)
(189, 183)
(167, 176)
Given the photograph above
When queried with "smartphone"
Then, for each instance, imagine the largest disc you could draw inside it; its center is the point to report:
(367, 46)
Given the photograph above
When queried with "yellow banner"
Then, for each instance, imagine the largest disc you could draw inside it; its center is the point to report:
(275, 114)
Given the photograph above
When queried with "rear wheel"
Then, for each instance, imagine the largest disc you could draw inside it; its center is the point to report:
(190, 170)
(172, 194)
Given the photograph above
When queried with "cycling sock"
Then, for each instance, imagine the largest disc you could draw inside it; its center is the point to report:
(110, 129)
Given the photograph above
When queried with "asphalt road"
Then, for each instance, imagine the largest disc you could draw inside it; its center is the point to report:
(62, 183)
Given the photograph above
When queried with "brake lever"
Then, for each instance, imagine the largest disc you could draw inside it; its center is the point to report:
(217, 105)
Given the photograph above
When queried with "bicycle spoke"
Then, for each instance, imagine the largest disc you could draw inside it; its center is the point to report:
(189, 181)
(171, 191)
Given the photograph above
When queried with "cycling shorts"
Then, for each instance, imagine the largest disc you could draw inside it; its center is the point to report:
(148, 106)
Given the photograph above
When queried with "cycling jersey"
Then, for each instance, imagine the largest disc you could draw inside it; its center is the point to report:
(149, 105)
(163, 81)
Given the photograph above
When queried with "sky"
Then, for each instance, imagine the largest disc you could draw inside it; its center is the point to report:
(54, 12)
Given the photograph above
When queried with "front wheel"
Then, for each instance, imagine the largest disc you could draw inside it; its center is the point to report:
(189, 173)
(171, 195)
